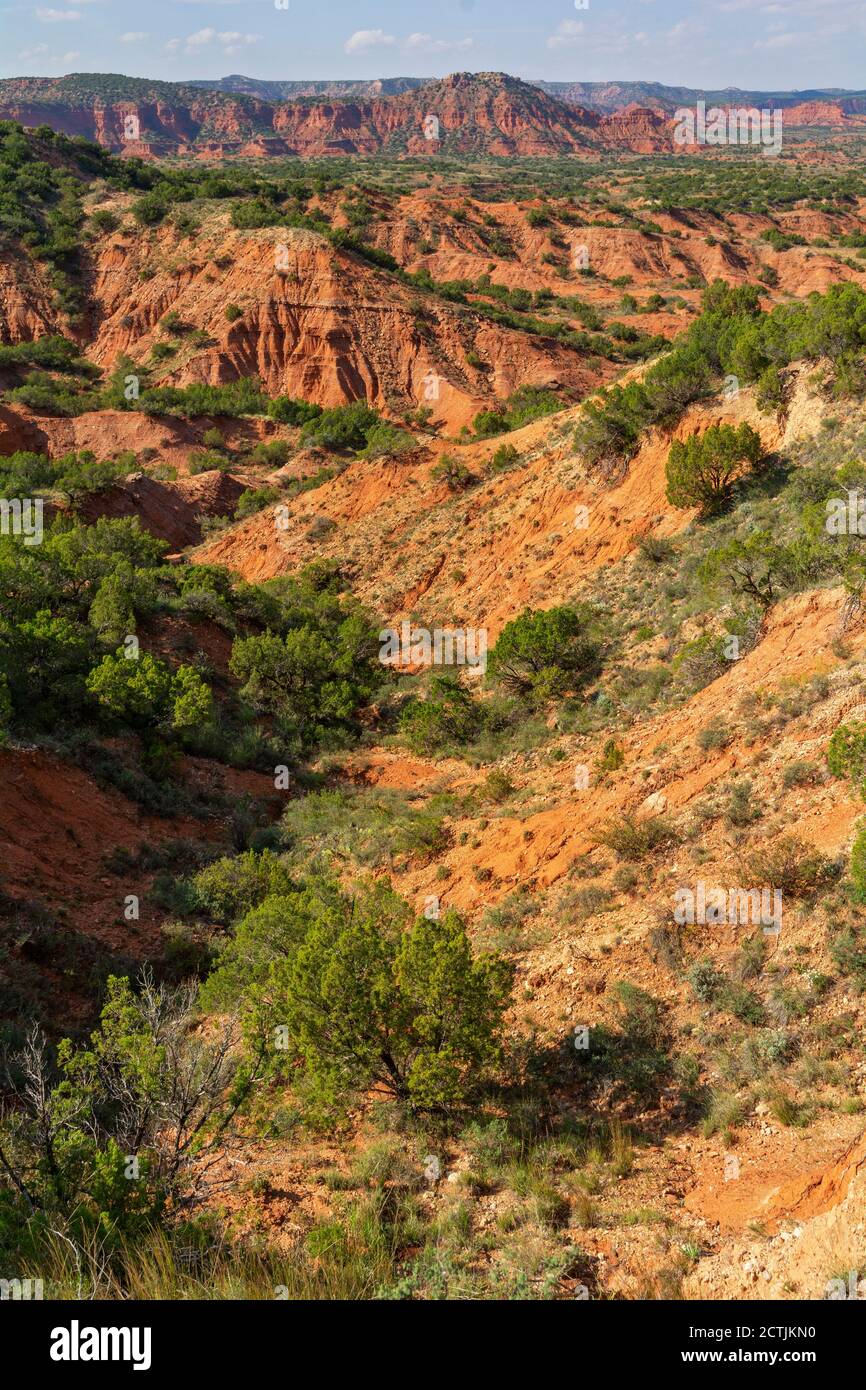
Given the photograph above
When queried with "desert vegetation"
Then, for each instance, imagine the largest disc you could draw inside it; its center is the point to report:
(367, 976)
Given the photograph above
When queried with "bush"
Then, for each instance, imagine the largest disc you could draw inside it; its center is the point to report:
(541, 655)
(771, 390)
(658, 550)
(524, 405)
(792, 867)
(343, 428)
(701, 662)
(229, 888)
(448, 716)
(716, 734)
(800, 774)
(242, 397)
(631, 839)
(367, 1003)
(315, 678)
(385, 440)
(848, 949)
(103, 220)
(497, 786)
(846, 755)
(506, 456)
(702, 469)
(705, 980)
(287, 411)
(145, 694)
(363, 826)
(145, 1082)
(255, 500)
(150, 210)
(452, 471)
(858, 863)
(612, 757)
(743, 1003)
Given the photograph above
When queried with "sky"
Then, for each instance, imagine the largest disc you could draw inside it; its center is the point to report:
(758, 44)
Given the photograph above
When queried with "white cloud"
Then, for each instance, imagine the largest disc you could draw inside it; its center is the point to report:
(567, 35)
(57, 16)
(425, 43)
(364, 39)
(781, 41)
(46, 58)
(134, 36)
(230, 41)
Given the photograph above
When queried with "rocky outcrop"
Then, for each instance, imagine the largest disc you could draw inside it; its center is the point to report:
(171, 511)
(488, 113)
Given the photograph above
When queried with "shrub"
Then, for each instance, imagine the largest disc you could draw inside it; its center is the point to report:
(524, 405)
(452, 471)
(740, 810)
(449, 715)
(702, 469)
(631, 839)
(771, 390)
(104, 220)
(231, 887)
(858, 862)
(241, 397)
(543, 654)
(145, 1082)
(145, 694)
(150, 210)
(342, 428)
(316, 677)
(658, 550)
(701, 662)
(800, 774)
(792, 867)
(612, 757)
(743, 1003)
(716, 734)
(368, 1003)
(287, 411)
(724, 1113)
(848, 951)
(705, 980)
(255, 500)
(272, 453)
(385, 440)
(504, 457)
(233, 312)
(497, 785)
(846, 754)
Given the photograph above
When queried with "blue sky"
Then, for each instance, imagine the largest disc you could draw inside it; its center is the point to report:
(748, 43)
